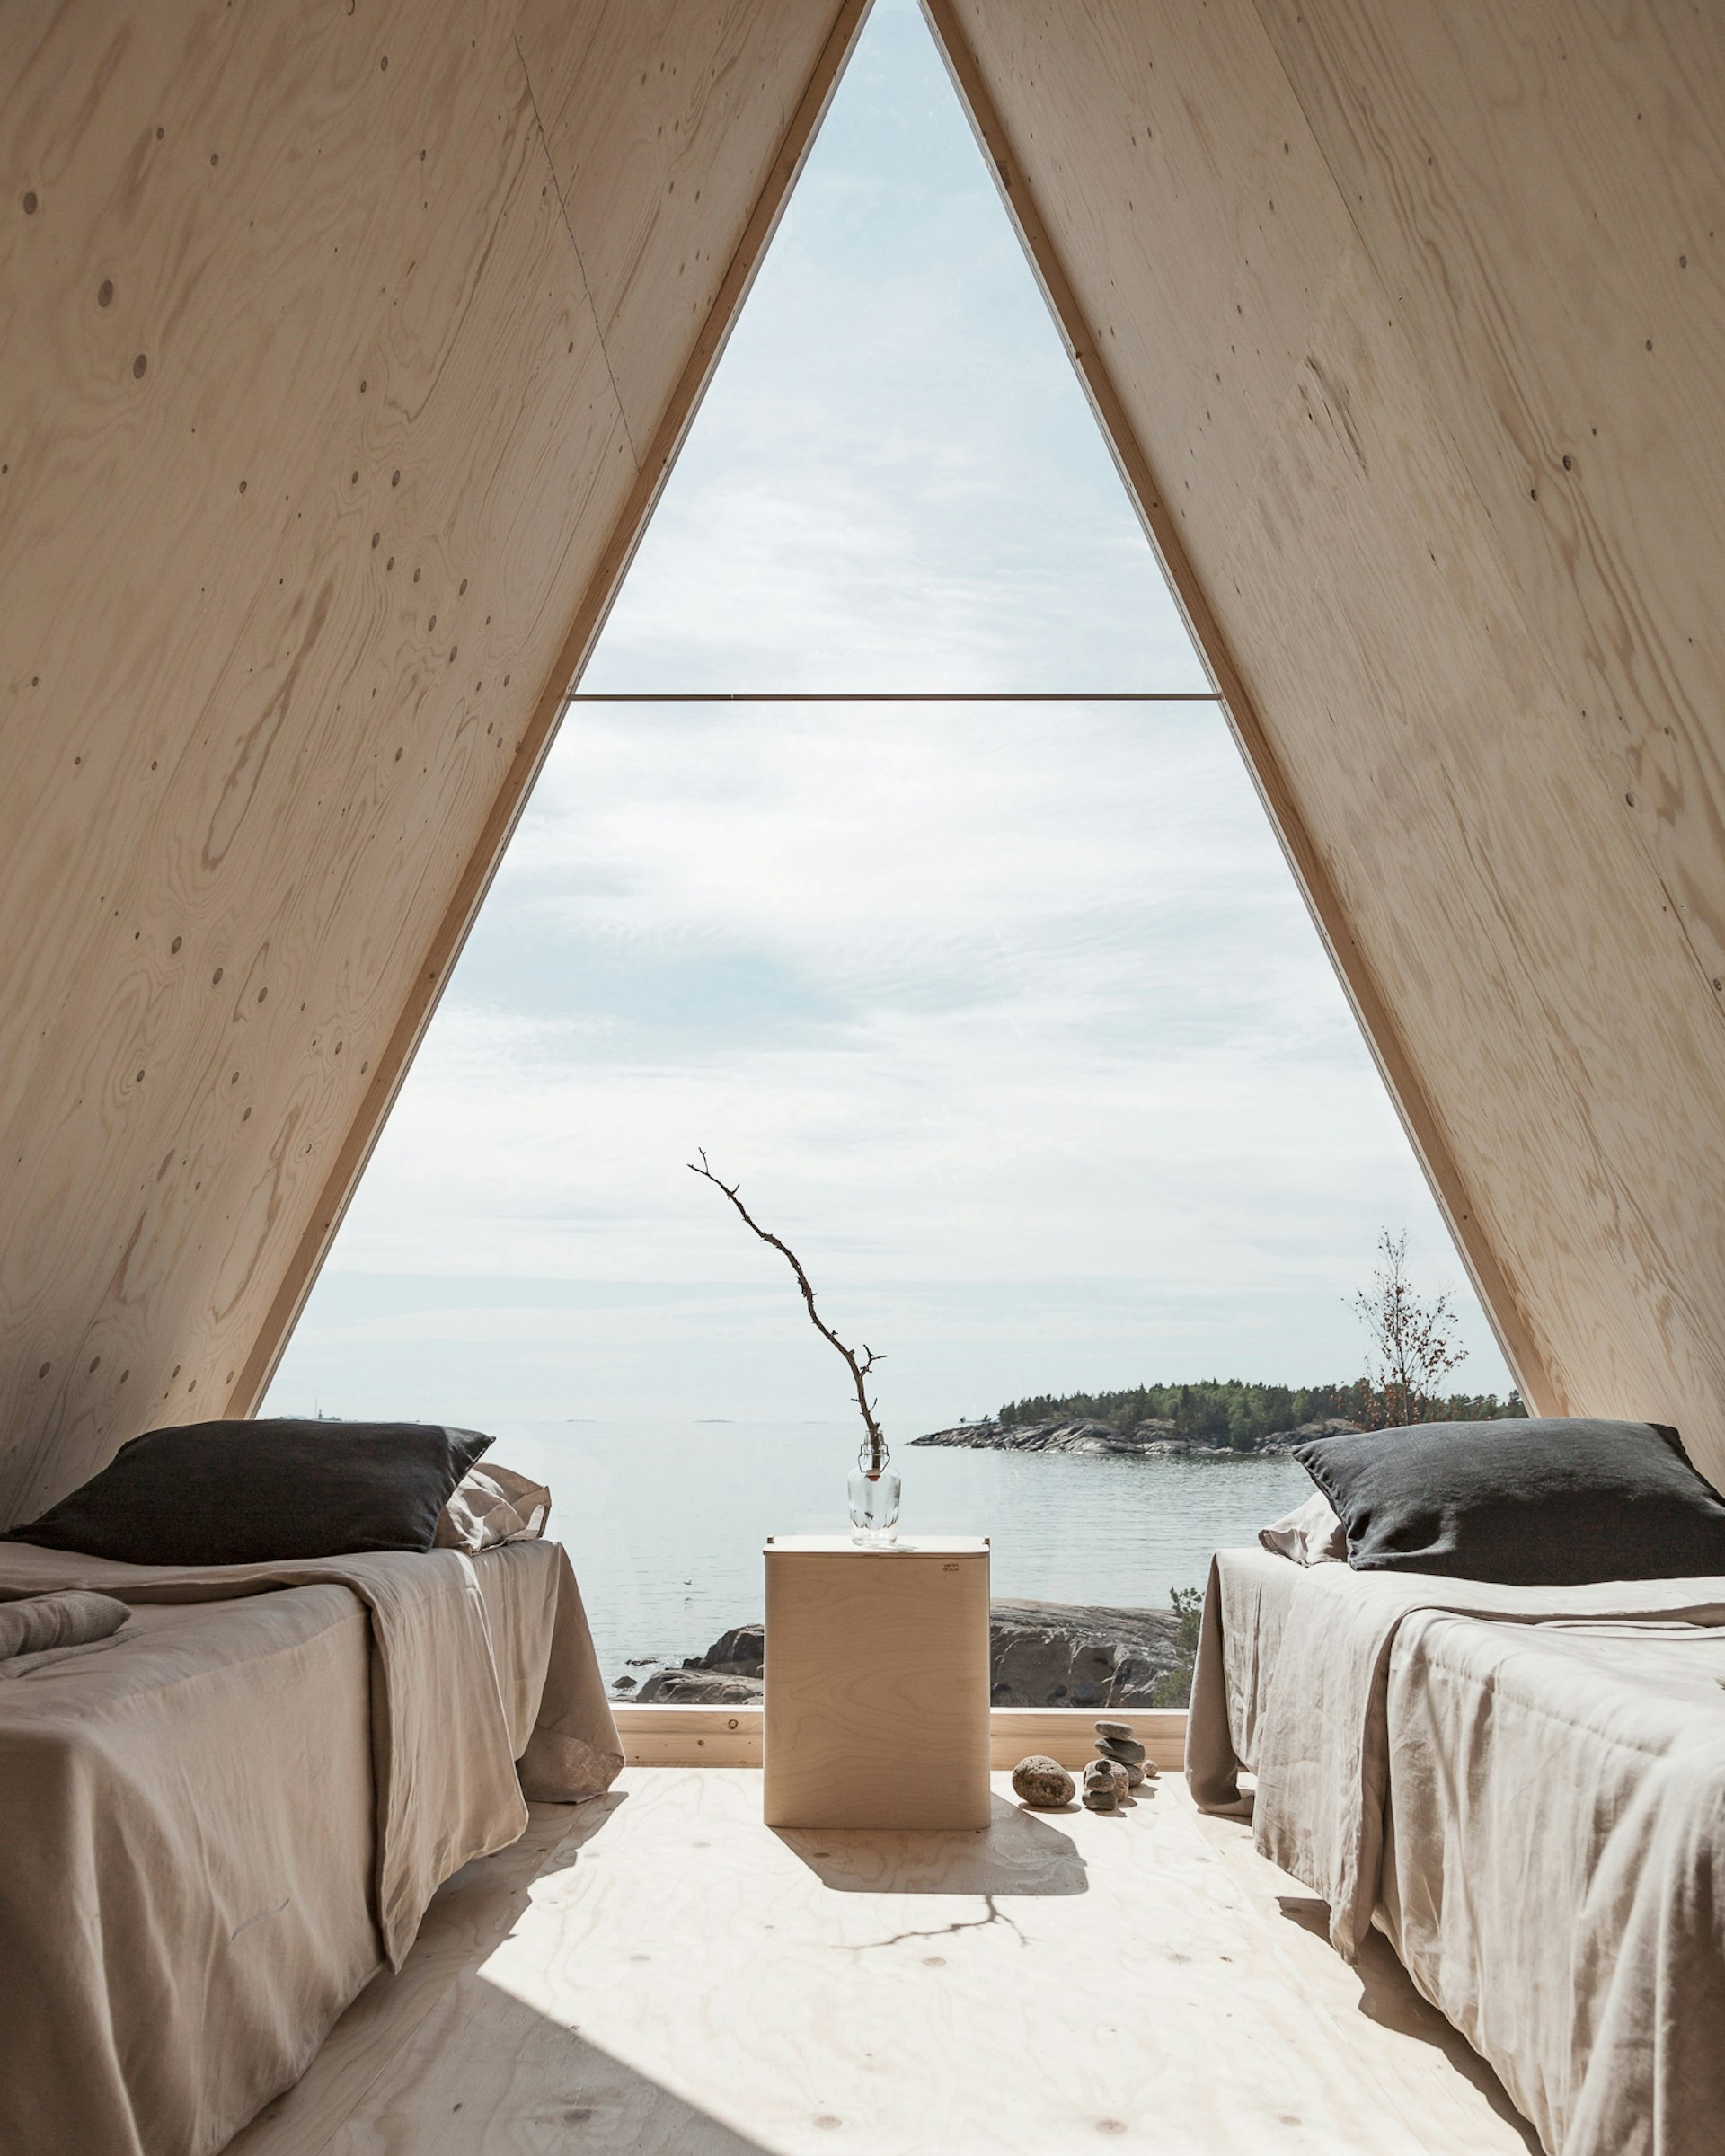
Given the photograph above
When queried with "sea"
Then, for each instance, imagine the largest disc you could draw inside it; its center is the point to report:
(665, 1521)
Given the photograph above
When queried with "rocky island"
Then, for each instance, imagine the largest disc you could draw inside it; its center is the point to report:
(1157, 1438)
(1210, 1417)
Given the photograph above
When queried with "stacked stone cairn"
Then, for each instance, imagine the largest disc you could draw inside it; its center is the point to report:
(1045, 1785)
(1111, 1778)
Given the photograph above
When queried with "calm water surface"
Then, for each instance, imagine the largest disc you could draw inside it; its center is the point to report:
(665, 1521)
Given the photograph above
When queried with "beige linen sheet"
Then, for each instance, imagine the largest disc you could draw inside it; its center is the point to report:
(219, 1824)
(1555, 1877)
(1549, 1877)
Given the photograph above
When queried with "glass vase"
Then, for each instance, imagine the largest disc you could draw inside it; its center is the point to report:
(874, 1493)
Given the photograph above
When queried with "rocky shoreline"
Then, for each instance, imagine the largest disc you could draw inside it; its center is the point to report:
(1145, 1441)
(1041, 1654)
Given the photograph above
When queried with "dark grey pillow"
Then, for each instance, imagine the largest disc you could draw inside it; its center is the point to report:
(241, 1493)
(1552, 1502)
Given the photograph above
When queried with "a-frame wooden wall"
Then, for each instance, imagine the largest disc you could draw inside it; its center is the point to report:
(344, 353)
(346, 345)
(1406, 317)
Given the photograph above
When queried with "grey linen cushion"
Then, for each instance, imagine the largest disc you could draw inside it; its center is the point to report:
(1558, 1501)
(241, 1493)
(71, 1618)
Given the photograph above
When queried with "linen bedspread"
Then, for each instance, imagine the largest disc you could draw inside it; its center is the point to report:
(1551, 1764)
(219, 1824)
(1556, 1865)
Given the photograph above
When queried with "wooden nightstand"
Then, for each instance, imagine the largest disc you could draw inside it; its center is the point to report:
(877, 1682)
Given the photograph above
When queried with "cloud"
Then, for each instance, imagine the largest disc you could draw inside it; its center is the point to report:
(894, 480)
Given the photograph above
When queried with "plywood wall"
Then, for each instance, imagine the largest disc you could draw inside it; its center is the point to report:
(1407, 317)
(345, 343)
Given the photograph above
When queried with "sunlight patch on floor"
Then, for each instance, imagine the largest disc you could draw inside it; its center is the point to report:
(660, 1972)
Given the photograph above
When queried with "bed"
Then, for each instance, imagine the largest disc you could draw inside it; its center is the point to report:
(218, 1824)
(1524, 1788)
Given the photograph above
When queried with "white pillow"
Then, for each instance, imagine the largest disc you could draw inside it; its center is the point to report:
(492, 1505)
(1310, 1534)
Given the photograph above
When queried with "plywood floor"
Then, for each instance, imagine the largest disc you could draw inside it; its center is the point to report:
(660, 1974)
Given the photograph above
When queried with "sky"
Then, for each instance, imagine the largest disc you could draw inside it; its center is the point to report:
(1009, 1017)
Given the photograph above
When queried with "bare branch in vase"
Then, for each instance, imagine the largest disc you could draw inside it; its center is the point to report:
(859, 1369)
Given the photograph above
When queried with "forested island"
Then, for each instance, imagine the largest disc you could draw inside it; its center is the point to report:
(1211, 1415)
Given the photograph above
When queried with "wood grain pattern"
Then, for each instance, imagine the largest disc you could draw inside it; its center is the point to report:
(317, 476)
(1557, 252)
(876, 1708)
(685, 1981)
(1354, 292)
(1068, 1734)
(731, 1736)
(469, 1918)
(1587, 1131)
(689, 1737)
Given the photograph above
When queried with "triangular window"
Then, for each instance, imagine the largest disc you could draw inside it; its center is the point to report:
(1006, 1013)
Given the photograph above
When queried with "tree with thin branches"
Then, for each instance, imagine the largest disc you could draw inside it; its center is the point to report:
(1415, 1342)
(858, 1366)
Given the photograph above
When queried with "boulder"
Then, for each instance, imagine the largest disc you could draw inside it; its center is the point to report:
(700, 1688)
(1058, 1653)
(1277, 1443)
(738, 1653)
(1041, 1654)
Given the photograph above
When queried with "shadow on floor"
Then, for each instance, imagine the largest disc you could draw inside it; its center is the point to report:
(512, 2080)
(482, 2073)
(441, 2056)
(1387, 1996)
(1017, 1852)
(473, 1910)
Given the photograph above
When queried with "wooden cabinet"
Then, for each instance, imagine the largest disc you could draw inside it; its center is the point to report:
(877, 1682)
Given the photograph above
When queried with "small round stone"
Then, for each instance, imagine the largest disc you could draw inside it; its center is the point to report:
(1113, 1728)
(1042, 1783)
